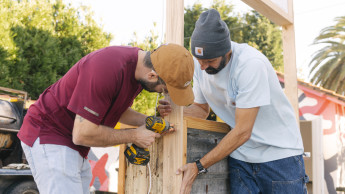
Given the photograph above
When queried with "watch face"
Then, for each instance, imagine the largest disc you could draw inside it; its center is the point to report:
(202, 171)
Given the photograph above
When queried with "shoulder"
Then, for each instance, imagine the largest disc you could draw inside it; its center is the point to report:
(248, 57)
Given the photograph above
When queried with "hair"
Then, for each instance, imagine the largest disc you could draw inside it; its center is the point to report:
(148, 63)
(147, 60)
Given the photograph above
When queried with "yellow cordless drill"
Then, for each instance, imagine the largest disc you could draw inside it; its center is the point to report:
(141, 156)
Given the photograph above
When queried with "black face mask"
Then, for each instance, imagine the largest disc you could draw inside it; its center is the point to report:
(212, 71)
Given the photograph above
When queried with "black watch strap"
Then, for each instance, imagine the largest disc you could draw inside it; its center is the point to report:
(201, 169)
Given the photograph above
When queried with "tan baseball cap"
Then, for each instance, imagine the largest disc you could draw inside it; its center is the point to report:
(174, 64)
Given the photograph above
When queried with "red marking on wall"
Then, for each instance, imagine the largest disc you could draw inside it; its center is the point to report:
(98, 170)
(324, 107)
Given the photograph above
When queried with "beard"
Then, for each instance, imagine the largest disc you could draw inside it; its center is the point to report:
(149, 86)
(212, 71)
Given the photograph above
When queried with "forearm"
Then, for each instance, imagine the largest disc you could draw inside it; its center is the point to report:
(132, 117)
(241, 133)
(197, 110)
(104, 136)
(227, 145)
(86, 133)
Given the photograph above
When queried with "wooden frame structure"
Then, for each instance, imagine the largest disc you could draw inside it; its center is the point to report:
(136, 179)
(285, 19)
(172, 148)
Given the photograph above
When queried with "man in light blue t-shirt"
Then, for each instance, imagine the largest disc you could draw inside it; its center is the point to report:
(242, 88)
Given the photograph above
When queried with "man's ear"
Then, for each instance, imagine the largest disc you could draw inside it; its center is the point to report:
(152, 76)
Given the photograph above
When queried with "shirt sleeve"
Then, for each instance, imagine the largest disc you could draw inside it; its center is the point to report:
(95, 90)
(198, 95)
(252, 85)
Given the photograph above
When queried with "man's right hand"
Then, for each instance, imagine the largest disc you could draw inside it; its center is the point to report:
(164, 108)
(144, 137)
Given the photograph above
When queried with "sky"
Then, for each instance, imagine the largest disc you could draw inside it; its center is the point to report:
(124, 17)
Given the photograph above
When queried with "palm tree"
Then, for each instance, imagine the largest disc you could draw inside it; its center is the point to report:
(328, 64)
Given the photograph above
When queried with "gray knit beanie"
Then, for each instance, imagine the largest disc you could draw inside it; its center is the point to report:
(211, 36)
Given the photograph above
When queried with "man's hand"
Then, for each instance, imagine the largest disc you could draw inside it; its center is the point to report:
(194, 110)
(164, 108)
(144, 137)
(190, 172)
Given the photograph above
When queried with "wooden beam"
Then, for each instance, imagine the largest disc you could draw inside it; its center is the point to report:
(136, 179)
(286, 20)
(312, 136)
(207, 125)
(290, 70)
(156, 165)
(174, 21)
(122, 170)
(272, 11)
(174, 144)
(173, 151)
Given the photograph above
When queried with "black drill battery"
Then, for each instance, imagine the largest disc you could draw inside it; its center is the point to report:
(136, 155)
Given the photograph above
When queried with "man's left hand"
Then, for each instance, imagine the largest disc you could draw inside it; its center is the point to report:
(190, 172)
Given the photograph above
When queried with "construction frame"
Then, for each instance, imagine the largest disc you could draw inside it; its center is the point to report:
(170, 152)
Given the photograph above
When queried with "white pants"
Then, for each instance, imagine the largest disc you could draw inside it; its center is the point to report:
(58, 169)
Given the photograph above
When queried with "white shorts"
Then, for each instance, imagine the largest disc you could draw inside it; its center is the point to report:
(58, 169)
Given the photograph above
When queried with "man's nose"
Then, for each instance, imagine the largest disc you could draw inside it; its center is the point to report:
(203, 65)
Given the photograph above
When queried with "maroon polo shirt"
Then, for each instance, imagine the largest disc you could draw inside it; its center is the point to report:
(99, 87)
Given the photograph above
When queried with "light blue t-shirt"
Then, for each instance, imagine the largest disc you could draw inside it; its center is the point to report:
(247, 81)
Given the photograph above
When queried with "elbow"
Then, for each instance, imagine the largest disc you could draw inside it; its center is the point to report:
(245, 135)
(77, 137)
(206, 114)
(77, 140)
(204, 111)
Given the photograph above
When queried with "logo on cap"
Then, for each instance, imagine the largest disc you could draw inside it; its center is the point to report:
(187, 83)
(199, 51)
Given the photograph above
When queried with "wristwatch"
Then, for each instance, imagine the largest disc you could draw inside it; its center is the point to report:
(201, 169)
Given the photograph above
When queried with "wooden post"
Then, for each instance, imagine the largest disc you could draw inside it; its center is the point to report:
(122, 170)
(290, 71)
(312, 136)
(174, 145)
(174, 148)
(175, 21)
(285, 19)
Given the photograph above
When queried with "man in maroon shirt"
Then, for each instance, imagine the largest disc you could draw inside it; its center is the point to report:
(81, 109)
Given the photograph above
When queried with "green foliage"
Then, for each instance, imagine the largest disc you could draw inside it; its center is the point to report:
(190, 17)
(328, 64)
(41, 40)
(262, 34)
(251, 28)
(150, 42)
(145, 102)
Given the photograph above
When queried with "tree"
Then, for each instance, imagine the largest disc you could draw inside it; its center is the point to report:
(328, 64)
(251, 28)
(41, 40)
(191, 15)
(262, 34)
